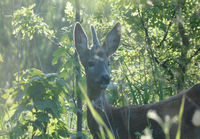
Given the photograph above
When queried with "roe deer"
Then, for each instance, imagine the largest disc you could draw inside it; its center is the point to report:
(123, 122)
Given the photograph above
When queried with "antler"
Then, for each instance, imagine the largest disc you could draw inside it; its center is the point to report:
(94, 37)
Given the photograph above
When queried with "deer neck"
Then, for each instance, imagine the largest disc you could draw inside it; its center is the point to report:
(93, 91)
(98, 98)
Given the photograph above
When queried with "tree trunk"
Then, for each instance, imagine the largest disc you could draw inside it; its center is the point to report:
(78, 76)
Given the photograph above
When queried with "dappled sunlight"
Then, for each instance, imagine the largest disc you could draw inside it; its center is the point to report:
(134, 55)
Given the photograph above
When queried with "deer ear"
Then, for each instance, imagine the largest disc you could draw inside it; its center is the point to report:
(112, 40)
(80, 39)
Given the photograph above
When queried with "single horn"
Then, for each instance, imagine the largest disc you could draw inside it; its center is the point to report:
(94, 37)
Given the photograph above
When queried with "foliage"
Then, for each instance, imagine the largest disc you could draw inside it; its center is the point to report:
(38, 106)
(27, 23)
(158, 56)
(1, 59)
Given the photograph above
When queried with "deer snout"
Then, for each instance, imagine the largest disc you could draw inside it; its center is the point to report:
(104, 81)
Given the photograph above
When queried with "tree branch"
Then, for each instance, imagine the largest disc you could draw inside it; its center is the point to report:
(164, 64)
(195, 54)
(184, 37)
(167, 31)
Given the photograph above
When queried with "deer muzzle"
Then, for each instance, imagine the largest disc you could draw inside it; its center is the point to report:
(104, 81)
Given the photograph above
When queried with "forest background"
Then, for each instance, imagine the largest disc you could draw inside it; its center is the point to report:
(39, 71)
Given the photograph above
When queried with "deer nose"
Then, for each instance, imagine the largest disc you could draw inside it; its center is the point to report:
(105, 79)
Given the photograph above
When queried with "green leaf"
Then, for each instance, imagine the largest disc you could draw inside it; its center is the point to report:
(21, 108)
(61, 83)
(35, 72)
(42, 117)
(62, 129)
(1, 58)
(58, 54)
(51, 76)
(36, 90)
(37, 125)
(178, 133)
(47, 105)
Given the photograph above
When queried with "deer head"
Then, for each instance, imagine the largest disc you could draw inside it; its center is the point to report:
(95, 59)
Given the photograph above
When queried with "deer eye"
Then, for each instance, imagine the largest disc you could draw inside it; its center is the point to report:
(108, 63)
(91, 63)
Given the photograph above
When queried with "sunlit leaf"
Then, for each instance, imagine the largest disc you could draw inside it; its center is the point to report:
(1, 58)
